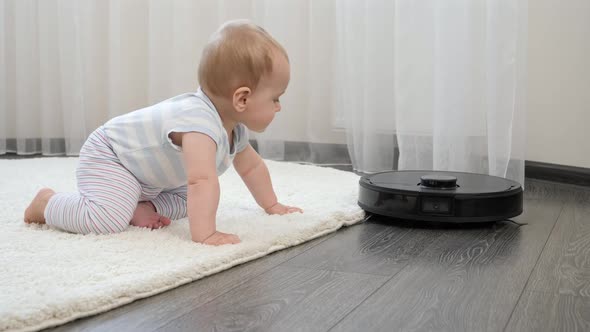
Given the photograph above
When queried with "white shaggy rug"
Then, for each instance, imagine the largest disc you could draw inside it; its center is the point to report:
(49, 277)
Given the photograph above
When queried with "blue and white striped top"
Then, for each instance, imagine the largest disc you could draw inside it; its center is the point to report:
(140, 138)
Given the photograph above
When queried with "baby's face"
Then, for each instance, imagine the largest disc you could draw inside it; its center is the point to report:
(264, 102)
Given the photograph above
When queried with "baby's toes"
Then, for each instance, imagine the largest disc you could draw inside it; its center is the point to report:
(165, 221)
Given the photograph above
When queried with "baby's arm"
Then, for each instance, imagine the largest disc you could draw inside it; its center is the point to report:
(202, 189)
(255, 174)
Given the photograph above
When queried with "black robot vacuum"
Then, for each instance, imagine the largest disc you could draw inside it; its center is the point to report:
(436, 196)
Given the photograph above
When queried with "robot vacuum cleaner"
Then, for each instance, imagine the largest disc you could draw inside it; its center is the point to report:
(433, 196)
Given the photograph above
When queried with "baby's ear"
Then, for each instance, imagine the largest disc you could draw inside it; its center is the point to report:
(240, 98)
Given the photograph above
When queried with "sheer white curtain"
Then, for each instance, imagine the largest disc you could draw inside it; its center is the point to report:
(404, 84)
(69, 65)
(433, 84)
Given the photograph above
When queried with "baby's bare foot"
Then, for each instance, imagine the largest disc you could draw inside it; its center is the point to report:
(145, 215)
(34, 213)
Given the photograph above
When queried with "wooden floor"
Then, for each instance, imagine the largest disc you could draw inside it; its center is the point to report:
(379, 276)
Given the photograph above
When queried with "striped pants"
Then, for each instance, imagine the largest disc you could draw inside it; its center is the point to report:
(107, 194)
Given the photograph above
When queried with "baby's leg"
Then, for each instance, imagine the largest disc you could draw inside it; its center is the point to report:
(171, 204)
(107, 197)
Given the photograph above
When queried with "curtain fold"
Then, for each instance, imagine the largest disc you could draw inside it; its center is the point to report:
(383, 85)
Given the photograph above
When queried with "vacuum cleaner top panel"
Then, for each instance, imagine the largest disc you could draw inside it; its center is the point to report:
(466, 183)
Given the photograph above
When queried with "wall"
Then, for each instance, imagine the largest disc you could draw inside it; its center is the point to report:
(558, 113)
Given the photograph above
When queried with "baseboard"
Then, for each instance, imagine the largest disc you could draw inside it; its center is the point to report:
(317, 153)
(557, 173)
(54, 146)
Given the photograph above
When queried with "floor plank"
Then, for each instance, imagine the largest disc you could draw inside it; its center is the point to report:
(559, 287)
(150, 313)
(466, 280)
(374, 248)
(564, 266)
(542, 189)
(549, 311)
(283, 299)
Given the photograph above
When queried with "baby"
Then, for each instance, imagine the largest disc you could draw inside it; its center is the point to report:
(161, 163)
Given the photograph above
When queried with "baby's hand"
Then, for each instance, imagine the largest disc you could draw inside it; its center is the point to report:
(219, 238)
(281, 209)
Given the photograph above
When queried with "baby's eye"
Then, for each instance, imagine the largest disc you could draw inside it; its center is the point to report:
(277, 100)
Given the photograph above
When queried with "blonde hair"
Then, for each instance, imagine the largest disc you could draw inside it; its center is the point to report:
(238, 54)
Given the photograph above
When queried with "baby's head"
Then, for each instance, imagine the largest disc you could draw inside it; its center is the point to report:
(247, 70)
